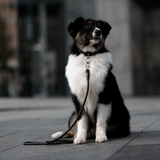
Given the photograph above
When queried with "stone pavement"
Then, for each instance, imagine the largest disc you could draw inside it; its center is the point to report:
(36, 119)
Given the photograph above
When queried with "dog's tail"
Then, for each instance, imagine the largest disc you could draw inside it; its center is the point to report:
(58, 134)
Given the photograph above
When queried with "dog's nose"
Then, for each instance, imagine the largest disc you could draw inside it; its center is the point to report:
(98, 32)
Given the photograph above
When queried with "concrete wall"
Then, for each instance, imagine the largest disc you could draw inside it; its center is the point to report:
(116, 13)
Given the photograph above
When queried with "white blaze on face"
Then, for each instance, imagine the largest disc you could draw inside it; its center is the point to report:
(94, 32)
(97, 39)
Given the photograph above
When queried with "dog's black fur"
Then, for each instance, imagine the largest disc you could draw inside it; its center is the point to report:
(118, 123)
(119, 120)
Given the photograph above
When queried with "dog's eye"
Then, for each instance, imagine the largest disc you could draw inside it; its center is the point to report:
(87, 26)
(98, 25)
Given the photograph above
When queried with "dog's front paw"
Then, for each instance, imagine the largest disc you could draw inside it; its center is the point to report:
(79, 140)
(101, 138)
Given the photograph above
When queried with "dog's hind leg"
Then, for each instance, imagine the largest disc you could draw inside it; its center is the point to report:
(120, 129)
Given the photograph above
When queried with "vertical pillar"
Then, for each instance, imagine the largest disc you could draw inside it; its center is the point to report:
(42, 41)
(117, 13)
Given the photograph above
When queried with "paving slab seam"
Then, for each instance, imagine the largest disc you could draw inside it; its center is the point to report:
(28, 108)
(20, 144)
(134, 138)
(38, 125)
(10, 134)
(125, 145)
(10, 148)
(151, 124)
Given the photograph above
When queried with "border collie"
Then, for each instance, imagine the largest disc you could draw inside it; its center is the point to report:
(104, 115)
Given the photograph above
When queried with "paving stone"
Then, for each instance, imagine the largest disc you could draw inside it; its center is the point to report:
(38, 123)
(90, 150)
(143, 121)
(147, 138)
(151, 152)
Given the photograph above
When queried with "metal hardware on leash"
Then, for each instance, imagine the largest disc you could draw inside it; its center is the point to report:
(88, 63)
(88, 60)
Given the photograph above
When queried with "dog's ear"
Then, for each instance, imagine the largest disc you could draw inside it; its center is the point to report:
(105, 27)
(75, 27)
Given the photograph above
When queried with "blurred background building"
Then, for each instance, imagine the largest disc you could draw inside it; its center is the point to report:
(34, 44)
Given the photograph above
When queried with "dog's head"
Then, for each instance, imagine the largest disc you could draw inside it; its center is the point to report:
(88, 34)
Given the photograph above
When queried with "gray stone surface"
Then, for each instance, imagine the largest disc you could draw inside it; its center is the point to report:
(34, 119)
(151, 152)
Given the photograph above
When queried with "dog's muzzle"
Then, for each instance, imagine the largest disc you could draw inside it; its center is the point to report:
(97, 34)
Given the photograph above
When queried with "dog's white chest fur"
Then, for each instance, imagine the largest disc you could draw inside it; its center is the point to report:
(76, 76)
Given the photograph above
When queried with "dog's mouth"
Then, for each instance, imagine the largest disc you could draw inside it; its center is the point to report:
(95, 39)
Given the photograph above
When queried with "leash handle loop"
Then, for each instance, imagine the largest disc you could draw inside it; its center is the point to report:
(57, 141)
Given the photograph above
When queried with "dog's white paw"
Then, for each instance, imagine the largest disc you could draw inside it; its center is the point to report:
(101, 138)
(56, 135)
(79, 140)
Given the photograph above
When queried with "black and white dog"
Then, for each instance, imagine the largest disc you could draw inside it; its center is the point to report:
(105, 114)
